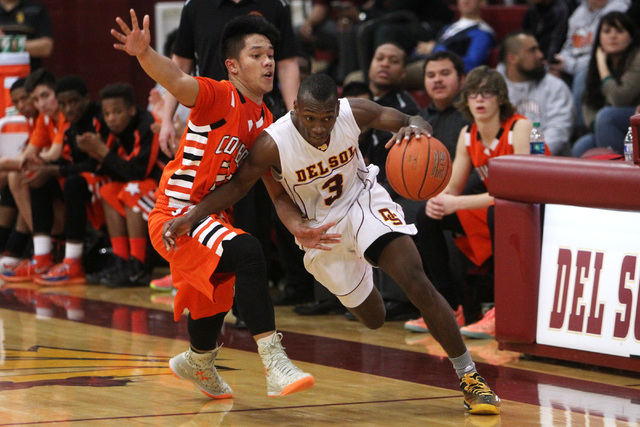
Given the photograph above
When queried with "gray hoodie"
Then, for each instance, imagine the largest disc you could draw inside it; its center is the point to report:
(548, 101)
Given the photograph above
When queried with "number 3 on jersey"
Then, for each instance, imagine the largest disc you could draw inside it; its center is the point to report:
(333, 185)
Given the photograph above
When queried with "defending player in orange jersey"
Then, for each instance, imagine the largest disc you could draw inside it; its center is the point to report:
(226, 117)
(313, 152)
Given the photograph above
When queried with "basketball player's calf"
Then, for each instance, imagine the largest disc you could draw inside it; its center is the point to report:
(400, 259)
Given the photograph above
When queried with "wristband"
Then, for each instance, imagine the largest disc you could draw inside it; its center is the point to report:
(605, 80)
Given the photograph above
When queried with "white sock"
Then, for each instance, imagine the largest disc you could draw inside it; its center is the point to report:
(73, 250)
(41, 245)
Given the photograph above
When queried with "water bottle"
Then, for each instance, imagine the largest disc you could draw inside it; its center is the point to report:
(536, 140)
(628, 146)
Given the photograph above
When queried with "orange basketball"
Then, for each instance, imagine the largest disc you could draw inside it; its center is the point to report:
(419, 169)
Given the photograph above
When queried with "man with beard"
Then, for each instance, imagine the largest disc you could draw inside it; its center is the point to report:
(536, 94)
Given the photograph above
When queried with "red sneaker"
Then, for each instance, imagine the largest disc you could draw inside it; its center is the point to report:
(163, 284)
(483, 328)
(418, 325)
(68, 272)
(28, 269)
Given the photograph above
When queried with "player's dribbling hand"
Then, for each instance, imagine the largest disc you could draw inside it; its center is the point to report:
(173, 229)
(134, 40)
(317, 238)
(407, 132)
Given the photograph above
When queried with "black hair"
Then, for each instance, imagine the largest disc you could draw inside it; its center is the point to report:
(234, 33)
(18, 84)
(75, 83)
(405, 56)
(354, 89)
(593, 95)
(511, 43)
(118, 90)
(458, 63)
(319, 86)
(40, 77)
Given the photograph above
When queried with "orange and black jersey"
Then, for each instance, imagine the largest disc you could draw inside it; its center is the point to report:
(221, 128)
(133, 154)
(74, 160)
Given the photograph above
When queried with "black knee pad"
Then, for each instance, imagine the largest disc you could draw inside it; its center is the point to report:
(243, 251)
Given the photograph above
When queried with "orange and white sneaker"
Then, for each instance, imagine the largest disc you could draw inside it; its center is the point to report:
(68, 272)
(483, 328)
(28, 269)
(163, 284)
(418, 325)
(283, 377)
(199, 368)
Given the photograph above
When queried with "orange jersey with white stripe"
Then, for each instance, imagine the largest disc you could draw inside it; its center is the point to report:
(222, 127)
(46, 132)
(501, 145)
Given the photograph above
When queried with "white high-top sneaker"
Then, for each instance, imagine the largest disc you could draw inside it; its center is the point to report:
(283, 377)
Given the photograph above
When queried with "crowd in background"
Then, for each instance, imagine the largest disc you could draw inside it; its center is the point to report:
(86, 178)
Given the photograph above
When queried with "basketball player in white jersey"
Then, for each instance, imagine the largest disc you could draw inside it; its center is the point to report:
(325, 185)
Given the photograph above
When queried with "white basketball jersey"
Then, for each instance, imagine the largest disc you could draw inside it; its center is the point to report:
(324, 184)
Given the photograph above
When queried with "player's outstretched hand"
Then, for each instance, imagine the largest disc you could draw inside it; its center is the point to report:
(173, 229)
(407, 132)
(317, 238)
(132, 40)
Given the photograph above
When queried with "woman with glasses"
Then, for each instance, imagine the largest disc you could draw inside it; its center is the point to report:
(465, 207)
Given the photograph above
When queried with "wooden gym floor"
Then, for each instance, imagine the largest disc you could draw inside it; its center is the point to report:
(94, 356)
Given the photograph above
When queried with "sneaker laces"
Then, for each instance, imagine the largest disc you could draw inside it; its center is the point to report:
(475, 384)
(276, 357)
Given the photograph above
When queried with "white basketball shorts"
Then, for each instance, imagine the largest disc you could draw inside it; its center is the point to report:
(344, 270)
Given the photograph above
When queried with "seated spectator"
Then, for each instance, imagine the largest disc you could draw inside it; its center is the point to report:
(469, 37)
(536, 94)
(45, 142)
(386, 71)
(572, 61)
(612, 90)
(14, 230)
(128, 155)
(444, 76)
(77, 190)
(547, 21)
(496, 130)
